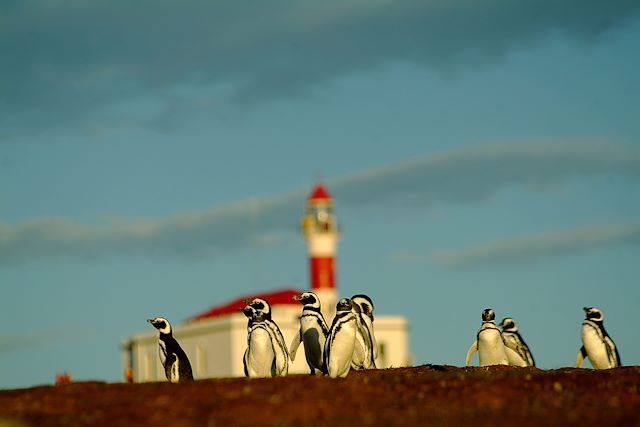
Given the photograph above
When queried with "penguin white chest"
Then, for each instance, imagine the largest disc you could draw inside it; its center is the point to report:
(491, 348)
(260, 358)
(341, 350)
(595, 346)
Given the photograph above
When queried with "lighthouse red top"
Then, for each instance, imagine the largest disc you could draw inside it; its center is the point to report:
(319, 193)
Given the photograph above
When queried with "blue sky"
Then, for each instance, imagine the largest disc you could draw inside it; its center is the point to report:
(155, 158)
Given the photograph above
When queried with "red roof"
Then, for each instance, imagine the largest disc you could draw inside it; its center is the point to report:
(320, 193)
(280, 297)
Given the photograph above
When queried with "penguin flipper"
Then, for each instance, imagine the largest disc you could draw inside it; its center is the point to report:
(374, 344)
(244, 362)
(514, 358)
(295, 343)
(186, 374)
(582, 354)
(612, 350)
(470, 352)
(325, 354)
(359, 356)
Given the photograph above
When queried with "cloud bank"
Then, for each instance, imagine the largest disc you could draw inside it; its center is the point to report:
(463, 176)
(533, 248)
(473, 174)
(68, 59)
(212, 232)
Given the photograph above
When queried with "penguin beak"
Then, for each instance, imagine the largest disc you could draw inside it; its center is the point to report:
(150, 321)
(586, 309)
(297, 297)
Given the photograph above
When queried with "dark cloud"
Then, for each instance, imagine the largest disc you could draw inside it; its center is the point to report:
(473, 174)
(68, 59)
(534, 248)
(462, 176)
(215, 231)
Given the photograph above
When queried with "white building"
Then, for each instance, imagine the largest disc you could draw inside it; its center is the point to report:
(216, 339)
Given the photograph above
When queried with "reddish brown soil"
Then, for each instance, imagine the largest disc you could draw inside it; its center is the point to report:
(425, 395)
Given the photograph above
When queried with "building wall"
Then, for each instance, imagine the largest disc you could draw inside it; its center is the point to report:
(392, 336)
(216, 347)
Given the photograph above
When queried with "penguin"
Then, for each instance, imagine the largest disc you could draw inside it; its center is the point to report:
(263, 309)
(259, 359)
(313, 332)
(174, 360)
(366, 347)
(597, 345)
(513, 340)
(489, 345)
(340, 343)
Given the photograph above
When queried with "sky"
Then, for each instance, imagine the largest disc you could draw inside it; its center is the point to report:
(155, 158)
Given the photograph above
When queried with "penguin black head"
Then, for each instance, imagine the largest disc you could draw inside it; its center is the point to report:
(252, 314)
(262, 307)
(161, 324)
(249, 311)
(355, 308)
(344, 305)
(488, 315)
(509, 325)
(364, 303)
(594, 314)
(309, 299)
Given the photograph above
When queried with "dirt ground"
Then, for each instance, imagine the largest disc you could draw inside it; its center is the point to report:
(430, 395)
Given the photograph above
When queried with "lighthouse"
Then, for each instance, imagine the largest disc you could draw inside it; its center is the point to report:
(320, 230)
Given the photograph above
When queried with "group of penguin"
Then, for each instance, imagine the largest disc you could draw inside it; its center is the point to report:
(350, 342)
(506, 346)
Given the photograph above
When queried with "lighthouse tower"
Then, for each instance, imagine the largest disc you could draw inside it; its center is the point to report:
(320, 230)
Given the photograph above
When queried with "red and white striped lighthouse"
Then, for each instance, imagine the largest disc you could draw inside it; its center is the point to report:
(320, 229)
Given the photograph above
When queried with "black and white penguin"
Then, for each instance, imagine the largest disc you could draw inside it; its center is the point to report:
(259, 358)
(597, 345)
(174, 360)
(489, 345)
(313, 332)
(340, 344)
(279, 347)
(513, 340)
(366, 347)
